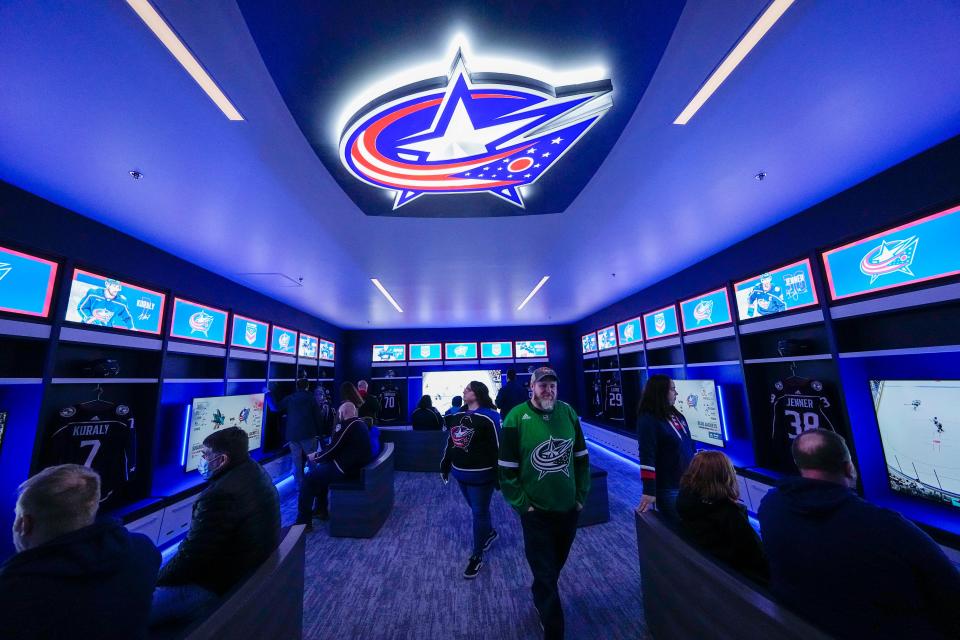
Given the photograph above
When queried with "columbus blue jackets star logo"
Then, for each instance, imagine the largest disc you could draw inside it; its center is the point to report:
(890, 257)
(5, 268)
(487, 133)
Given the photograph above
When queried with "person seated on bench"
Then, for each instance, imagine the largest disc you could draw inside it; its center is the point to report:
(235, 527)
(425, 417)
(712, 517)
(852, 568)
(349, 452)
(456, 405)
(72, 576)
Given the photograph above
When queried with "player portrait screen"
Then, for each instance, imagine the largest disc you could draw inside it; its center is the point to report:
(212, 414)
(784, 289)
(441, 386)
(920, 435)
(389, 352)
(107, 302)
(697, 401)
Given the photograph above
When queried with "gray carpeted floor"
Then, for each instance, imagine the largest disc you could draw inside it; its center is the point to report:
(406, 583)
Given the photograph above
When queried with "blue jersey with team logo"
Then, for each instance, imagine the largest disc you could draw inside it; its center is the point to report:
(98, 309)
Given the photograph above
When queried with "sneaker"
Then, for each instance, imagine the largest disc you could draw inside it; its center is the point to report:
(493, 535)
(473, 567)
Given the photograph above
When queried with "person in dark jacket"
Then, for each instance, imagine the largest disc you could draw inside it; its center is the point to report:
(456, 405)
(511, 394)
(712, 517)
(349, 452)
(666, 447)
(73, 576)
(472, 454)
(851, 568)
(235, 527)
(370, 405)
(425, 417)
(304, 424)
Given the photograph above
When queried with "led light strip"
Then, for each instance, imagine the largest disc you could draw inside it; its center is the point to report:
(540, 284)
(386, 294)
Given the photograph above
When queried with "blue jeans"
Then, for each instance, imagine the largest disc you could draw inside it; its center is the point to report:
(667, 505)
(298, 455)
(478, 496)
(181, 604)
(314, 487)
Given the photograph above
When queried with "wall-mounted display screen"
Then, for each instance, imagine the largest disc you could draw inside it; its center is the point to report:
(629, 332)
(102, 301)
(709, 310)
(920, 434)
(784, 289)
(661, 323)
(697, 401)
(460, 350)
(327, 350)
(309, 345)
(496, 349)
(389, 352)
(249, 333)
(607, 338)
(212, 414)
(441, 386)
(916, 252)
(531, 348)
(283, 341)
(192, 321)
(26, 283)
(426, 351)
(589, 343)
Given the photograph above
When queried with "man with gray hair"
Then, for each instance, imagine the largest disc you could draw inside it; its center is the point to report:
(371, 405)
(73, 575)
(854, 569)
(341, 461)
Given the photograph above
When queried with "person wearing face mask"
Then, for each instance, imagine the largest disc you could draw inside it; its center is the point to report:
(235, 527)
(370, 406)
(545, 475)
(854, 569)
(74, 576)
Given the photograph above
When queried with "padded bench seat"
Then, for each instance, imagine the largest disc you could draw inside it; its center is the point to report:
(597, 509)
(416, 450)
(359, 509)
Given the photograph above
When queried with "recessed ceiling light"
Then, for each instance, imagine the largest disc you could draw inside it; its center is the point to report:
(175, 46)
(749, 40)
(530, 295)
(136, 175)
(386, 294)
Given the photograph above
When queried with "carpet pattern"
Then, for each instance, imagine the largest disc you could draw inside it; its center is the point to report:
(406, 583)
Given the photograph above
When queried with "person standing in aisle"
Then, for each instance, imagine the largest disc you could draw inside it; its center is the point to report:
(545, 476)
(511, 394)
(370, 407)
(304, 424)
(666, 447)
(471, 453)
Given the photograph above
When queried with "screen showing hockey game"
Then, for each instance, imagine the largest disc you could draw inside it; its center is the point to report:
(784, 289)
(102, 301)
(920, 435)
(441, 386)
(697, 401)
(389, 352)
(26, 283)
(211, 414)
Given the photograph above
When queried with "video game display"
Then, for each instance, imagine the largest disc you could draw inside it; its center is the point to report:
(192, 321)
(309, 345)
(661, 323)
(496, 349)
(531, 348)
(920, 435)
(709, 310)
(607, 338)
(389, 352)
(283, 341)
(26, 283)
(426, 351)
(101, 301)
(589, 343)
(249, 333)
(916, 252)
(441, 386)
(460, 350)
(211, 414)
(784, 289)
(697, 401)
(629, 332)
(327, 350)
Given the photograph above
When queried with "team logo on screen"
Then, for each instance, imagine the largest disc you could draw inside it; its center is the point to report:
(218, 419)
(491, 134)
(424, 351)
(284, 341)
(703, 312)
(692, 400)
(496, 348)
(460, 350)
(250, 333)
(200, 322)
(5, 268)
(890, 257)
(660, 322)
(552, 456)
(628, 333)
(244, 415)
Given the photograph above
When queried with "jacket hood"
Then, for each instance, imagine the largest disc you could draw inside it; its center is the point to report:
(100, 549)
(806, 496)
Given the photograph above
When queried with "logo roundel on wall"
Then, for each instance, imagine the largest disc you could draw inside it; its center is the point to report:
(492, 133)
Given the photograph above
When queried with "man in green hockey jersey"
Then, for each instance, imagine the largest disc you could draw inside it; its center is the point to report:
(545, 476)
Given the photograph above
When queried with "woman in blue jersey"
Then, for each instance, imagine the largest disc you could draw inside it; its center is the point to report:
(472, 453)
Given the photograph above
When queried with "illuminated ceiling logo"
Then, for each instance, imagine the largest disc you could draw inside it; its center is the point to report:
(473, 133)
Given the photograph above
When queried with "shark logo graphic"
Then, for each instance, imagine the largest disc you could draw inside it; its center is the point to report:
(703, 312)
(200, 322)
(552, 456)
(5, 268)
(660, 322)
(890, 257)
(481, 133)
(250, 333)
(218, 419)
